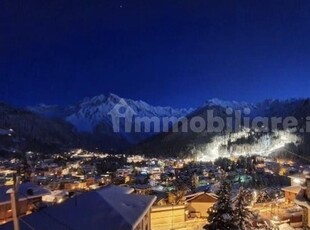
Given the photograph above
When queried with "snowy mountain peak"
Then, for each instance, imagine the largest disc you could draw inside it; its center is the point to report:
(226, 104)
(93, 100)
(114, 97)
(93, 112)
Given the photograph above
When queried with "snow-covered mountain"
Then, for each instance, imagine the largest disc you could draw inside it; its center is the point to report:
(93, 111)
(88, 124)
(94, 114)
(235, 138)
(227, 104)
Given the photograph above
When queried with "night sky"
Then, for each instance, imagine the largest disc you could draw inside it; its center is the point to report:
(177, 53)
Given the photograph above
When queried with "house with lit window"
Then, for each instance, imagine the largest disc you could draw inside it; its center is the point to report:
(29, 196)
(290, 192)
(199, 203)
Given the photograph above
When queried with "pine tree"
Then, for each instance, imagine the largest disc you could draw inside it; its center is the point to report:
(263, 197)
(221, 215)
(243, 216)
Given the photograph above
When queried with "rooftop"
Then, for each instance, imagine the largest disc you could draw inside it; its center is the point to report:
(294, 189)
(25, 191)
(110, 207)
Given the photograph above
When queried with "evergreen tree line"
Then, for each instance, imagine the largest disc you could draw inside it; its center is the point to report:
(228, 213)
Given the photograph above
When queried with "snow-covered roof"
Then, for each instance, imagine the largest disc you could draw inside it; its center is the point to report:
(25, 190)
(294, 189)
(297, 176)
(119, 189)
(195, 195)
(107, 208)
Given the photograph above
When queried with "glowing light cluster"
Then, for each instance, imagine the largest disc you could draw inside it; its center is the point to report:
(264, 145)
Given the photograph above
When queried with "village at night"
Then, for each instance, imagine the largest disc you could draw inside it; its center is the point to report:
(154, 115)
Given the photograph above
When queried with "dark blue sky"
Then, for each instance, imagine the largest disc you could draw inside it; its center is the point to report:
(165, 52)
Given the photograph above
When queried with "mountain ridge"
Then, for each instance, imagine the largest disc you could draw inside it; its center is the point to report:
(58, 126)
(187, 143)
(91, 112)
